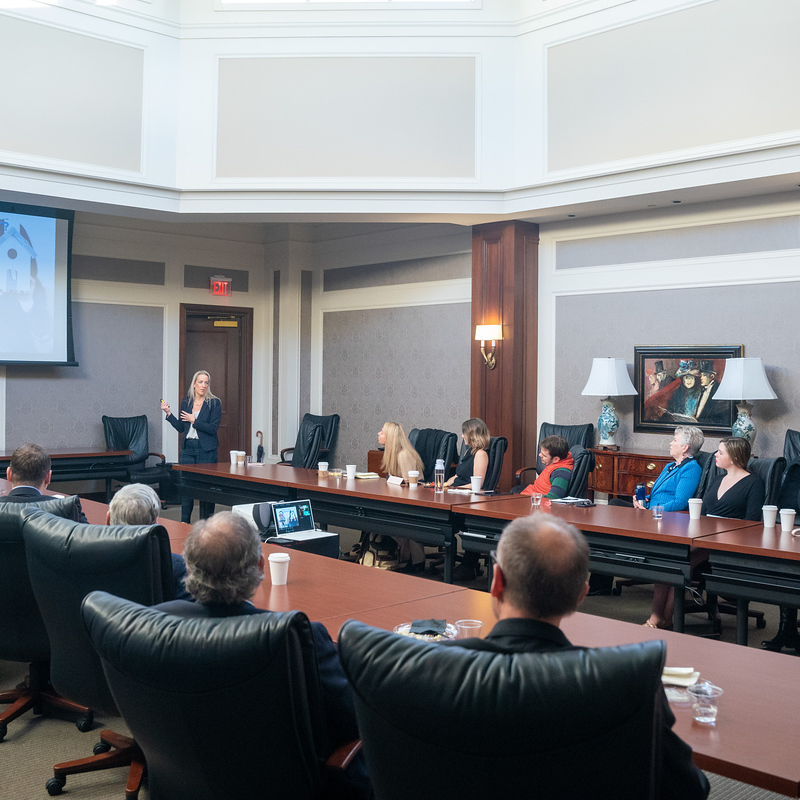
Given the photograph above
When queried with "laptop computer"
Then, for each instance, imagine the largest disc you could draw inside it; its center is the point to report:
(294, 520)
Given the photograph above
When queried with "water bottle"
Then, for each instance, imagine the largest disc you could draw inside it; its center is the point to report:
(438, 476)
(641, 492)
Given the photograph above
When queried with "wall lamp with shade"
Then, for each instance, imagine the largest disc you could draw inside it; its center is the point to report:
(493, 333)
(744, 378)
(609, 377)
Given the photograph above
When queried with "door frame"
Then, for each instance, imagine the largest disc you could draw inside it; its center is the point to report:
(244, 316)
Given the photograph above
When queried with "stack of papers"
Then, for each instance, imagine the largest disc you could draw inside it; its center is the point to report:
(679, 676)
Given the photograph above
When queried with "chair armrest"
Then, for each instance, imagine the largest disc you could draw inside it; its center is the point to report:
(285, 451)
(323, 451)
(158, 455)
(341, 757)
(520, 472)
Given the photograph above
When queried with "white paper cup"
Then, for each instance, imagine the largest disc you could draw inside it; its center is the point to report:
(695, 507)
(468, 628)
(770, 515)
(234, 456)
(413, 477)
(351, 471)
(279, 568)
(787, 519)
(322, 468)
(476, 482)
(240, 454)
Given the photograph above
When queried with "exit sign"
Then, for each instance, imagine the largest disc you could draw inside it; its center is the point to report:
(220, 286)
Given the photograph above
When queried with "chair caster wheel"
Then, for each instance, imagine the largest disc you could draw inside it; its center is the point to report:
(616, 591)
(54, 786)
(761, 623)
(3, 730)
(85, 723)
(101, 747)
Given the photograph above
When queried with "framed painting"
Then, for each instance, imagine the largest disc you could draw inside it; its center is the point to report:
(676, 386)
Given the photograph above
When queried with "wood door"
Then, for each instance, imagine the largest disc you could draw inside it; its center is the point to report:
(220, 341)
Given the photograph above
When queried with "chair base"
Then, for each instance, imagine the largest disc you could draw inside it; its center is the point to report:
(37, 696)
(113, 750)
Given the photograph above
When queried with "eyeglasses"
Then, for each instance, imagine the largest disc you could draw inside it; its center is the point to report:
(493, 556)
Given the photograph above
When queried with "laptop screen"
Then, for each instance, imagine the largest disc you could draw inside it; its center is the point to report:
(293, 517)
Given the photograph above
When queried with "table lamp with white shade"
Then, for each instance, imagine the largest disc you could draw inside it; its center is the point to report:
(743, 379)
(609, 377)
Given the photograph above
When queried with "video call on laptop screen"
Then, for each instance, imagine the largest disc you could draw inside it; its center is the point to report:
(293, 517)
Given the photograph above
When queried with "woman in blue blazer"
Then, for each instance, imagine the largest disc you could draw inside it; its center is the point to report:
(200, 415)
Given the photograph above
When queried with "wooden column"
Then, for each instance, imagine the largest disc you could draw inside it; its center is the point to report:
(505, 291)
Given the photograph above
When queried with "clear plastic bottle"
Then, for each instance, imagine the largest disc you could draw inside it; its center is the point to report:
(438, 476)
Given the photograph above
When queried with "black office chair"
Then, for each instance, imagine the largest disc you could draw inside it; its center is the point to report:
(771, 471)
(496, 452)
(130, 433)
(433, 444)
(66, 561)
(23, 636)
(710, 471)
(582, 464)
(187, 686)
(582, 435)
(575, 723)
(316, 439)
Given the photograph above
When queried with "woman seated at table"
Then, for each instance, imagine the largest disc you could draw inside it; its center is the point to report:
(400, 458)
(736, 494)
(474, 461)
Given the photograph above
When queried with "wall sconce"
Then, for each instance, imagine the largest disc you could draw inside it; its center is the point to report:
(489, 332)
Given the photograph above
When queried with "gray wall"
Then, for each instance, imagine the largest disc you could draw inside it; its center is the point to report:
(408, 365)
(120, 350)
(762, 317)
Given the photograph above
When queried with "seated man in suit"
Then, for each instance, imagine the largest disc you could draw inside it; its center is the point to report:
(225, 565)
(540, 573)
(553, 481)
(29, 474)
(138, 504)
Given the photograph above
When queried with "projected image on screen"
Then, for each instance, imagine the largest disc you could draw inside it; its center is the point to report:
(33, 287)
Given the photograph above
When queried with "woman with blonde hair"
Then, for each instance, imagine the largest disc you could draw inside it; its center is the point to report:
(399, 458)
(200, 415)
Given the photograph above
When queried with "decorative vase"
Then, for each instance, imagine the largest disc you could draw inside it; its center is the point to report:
(607, 423)
(744, 426)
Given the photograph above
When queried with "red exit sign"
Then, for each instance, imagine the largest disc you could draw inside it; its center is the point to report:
(220, 286)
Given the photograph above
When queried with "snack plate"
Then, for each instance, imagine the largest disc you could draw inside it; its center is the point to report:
(405, 627)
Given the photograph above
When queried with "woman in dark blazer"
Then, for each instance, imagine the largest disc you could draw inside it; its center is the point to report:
(200, 415)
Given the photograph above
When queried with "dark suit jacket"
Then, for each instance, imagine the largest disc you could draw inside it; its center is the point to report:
(30, 494)
(680, 779)
(206, 423)
(340, 715)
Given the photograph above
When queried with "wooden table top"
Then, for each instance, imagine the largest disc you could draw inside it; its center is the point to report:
(616, 520)
(76, 452)
(757, 540)
(308, 479)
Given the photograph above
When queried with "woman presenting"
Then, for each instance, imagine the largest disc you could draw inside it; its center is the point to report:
(200, 416)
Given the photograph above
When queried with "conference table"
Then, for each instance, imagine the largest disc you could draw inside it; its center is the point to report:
(362, 504)
(623, 542)
(759, 718)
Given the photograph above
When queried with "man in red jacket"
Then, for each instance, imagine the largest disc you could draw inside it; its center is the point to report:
(553, 481)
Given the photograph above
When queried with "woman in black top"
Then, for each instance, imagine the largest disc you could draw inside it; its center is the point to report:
(738, 494)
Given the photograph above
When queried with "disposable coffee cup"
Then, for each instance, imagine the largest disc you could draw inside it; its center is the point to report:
(322, 468)
(475, 483)
(240, 454)
(279, 568)
(468, 628)
(787, 519)
(413, 477)
(234, 456)
(770, 515)
(351, 471)
(695, 507)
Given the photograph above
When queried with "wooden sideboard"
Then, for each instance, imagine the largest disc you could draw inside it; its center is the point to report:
(617, 472)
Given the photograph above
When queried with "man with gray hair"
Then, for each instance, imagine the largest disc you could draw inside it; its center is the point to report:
(225, 566)
(540, 576)
(138, 504)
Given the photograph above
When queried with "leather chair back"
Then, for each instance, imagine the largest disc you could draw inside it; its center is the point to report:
(790, 483)
(23, 636)
(67, 560)
(574, 723)
(306, 448)
(330, 429)
(709, 472)
(583, 464)
(771, 471)
(127, 433)
(497, 450)
(435, 444)
(222, 708)
(791, 447)
(582, 435)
